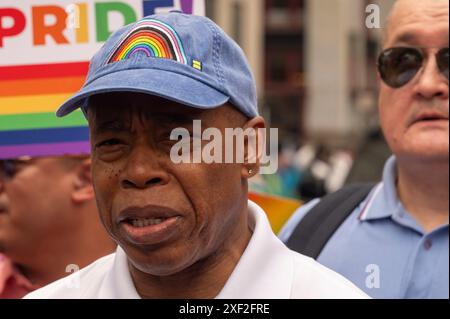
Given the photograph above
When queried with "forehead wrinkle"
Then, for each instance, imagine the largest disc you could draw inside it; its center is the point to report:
(407, 13)
(144, 112)
(111, 120)
(114, 125)
(175, 117)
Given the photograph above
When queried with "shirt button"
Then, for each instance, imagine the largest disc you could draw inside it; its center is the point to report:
(428, 244)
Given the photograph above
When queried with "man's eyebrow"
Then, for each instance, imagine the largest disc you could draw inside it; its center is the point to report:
(407, 38)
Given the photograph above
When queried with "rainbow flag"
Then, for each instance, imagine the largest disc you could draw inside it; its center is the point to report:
(29, 97)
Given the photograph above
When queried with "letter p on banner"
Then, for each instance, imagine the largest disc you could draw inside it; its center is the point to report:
(16, 27)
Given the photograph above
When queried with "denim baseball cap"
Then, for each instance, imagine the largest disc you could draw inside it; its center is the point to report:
(183, 58)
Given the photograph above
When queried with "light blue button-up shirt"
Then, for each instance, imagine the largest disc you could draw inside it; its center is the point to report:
(382, 249)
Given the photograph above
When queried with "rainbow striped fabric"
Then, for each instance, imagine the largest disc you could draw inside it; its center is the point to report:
(29, 97)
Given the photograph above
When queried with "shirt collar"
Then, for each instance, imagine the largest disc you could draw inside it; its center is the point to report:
(383, 202)
(264, 270)
(118, 283)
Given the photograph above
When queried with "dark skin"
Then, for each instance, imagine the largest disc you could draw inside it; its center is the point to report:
(132, 168)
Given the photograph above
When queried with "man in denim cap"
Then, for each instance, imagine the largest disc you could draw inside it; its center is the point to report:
(184, 230)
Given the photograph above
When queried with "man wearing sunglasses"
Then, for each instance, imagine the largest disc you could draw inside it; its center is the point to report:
(395, 243)
(49, 224)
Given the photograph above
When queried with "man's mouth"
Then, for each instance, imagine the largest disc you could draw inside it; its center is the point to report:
(145, 222)
(430, 117)
(149, 225)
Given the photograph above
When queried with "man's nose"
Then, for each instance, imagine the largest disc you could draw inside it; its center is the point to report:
(431, 83)
(143, 170)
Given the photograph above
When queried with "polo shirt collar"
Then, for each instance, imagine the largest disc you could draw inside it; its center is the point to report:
(383, 202)
(118, 283)
(265, 269)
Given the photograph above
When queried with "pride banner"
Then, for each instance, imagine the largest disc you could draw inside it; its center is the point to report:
(45, 48)
(29, 96)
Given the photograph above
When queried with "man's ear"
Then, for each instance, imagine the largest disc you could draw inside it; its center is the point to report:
(83, 190)
(253, 146)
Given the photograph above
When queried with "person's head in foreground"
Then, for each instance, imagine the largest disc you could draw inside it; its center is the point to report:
(185, 230)
(49, 223)
(414, 106)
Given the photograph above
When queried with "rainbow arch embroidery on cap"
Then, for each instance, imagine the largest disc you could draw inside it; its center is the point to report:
(152, 37)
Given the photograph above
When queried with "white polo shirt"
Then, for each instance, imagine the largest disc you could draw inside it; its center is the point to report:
(266, 270)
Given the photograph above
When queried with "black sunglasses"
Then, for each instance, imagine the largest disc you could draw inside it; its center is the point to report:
(399, 65)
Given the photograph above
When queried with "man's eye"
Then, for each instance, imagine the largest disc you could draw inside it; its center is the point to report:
(110, 142)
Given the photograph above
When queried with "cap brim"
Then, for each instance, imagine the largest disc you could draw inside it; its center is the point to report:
(165, 84)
